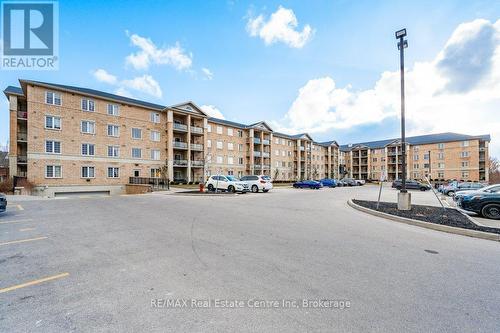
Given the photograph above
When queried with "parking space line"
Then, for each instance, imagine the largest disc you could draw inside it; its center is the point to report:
(20, 207)
(34, 282)
(24, 240)
(27, 229)
(16, 221)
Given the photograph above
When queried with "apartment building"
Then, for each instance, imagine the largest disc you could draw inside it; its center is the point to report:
(441, 156)
(71, 139)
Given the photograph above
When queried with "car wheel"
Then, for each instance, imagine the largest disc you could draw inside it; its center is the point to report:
(295, 186)
(491, 211)
(211, 187)
(423, 189)
(265, 191)
(255, 189)
(450, 193)
(231, 189)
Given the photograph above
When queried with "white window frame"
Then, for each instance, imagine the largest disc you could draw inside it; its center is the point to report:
(209, 143)
(88, 146)
(113, 109)
(220, 144)
(114, 149)
(155, 136)
(155, 117)
(136, 149)
(54, 166)
(155, 172)
(88, 167)
(55, 96)
(113, 175)
(53, 147)
(230, 146)
(132, 133)
(221, 158)
(89, 122)
(53, 122)
(155, 154)
(229, 131)
(230, 160)
(87, 105)
(219, 129)
(113, 126)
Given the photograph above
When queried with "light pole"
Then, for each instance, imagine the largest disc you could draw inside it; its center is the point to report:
(404, 198)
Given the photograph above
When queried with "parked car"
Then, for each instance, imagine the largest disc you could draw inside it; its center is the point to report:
(411, 185)
(328, 182)
(485, 202)
(258, 183)
(460, 194)
(3, 202)
(308, 184)
(351, 182)
(340, 183)
(452, 188)
(361, 181)
(226, 183)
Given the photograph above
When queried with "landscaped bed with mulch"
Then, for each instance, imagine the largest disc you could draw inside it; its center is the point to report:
(449, 216)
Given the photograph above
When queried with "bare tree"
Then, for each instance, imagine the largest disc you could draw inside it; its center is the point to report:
(276, 173)
(494, 170)
(315, 172)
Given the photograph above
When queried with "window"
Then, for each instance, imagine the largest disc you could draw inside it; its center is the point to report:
(88, 149)
(219, 129)
(277, 152)
(155, 173)
(155, 117)
(53, 171)
(240, 147)
(136, 152)
(240, 160)
(440, 165)
(464, 144)
(283, 154)
(155, 136)
(416, 166)
(209, 128)
(209, 143)
(88, 105)
(465, 164)
(53, 122)
(464, 154)
(440, 156)
(52, 98)
(88, 172)
(277, 164)
(240, 133)
(230, 131)
(88, 127)
(220, 159)
(415, 148)
(136, 133)
(136, 173)
(230, 146)
(113, 172)
(415, 157)
(374, 159)
(113, 151)
(52, 147)
(113, 110)
(219, 144)
(440, 145)
(426, 165)
(230, 160)
(155, 154)
(426, 156)
(277, 141)
(440, 174)
(465, 174)
(113, 130)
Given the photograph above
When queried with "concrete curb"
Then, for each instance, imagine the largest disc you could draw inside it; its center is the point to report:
(230, 195)
(428, 225)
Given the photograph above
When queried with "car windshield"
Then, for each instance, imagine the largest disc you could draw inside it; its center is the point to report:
(492, 188)
(232, 178)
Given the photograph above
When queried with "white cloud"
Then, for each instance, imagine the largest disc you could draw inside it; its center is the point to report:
(458, 91)
(102, 75)
(212, 111)
(145, 84)
(149, 54)
(208, 73)
(281, 27)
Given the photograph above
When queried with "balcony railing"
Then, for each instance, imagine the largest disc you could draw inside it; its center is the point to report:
(180, 127)
(266, 167)
(257, 166)
(156, 183)
(22, 136)
(196, 146)
(180, 163)
(302, 148)
(256, 140)
(22, 115)
(257, 153)
(22, 159)
(266, 142)
(196, 130)
(178, 144)
(265, 154)
(197, 163)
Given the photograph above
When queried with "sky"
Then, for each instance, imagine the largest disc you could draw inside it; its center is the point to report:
(329, 68)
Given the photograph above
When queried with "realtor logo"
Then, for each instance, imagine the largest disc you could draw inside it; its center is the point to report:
(29, 35)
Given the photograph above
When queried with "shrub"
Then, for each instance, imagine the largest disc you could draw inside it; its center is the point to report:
(6, 186)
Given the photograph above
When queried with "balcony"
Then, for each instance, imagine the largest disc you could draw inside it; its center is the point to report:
(180, 145)
(23, 115)
(266, 142)
(22, 136)
(22, 159)
(197, 163)
(256, 140)
(266, 167)
(302, 148)
(257, 166)
(180, 163)
(196, 130)
(180, 127)
(197, 146)
(265, 154)
(256, 153)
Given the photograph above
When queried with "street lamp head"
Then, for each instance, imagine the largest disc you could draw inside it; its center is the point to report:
(401, 33)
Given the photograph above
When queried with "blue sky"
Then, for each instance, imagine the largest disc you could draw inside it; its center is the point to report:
(351, 44)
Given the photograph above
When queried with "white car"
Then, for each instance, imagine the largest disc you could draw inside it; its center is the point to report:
(226, 183)
(258, 183)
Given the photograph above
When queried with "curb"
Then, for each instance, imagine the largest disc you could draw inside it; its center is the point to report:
(428, 225)
(181, 194)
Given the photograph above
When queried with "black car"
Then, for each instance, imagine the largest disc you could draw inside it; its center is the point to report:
(350, 182)
(3, 202)
(485, 202)
(411, 185)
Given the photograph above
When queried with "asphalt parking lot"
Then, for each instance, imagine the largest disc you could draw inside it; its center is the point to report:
(102, 263)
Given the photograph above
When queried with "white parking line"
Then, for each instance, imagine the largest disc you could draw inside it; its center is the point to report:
(15, 221)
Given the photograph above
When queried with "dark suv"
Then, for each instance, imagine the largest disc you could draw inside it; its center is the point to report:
(485, 202)
(3, 202)
(411, 185)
